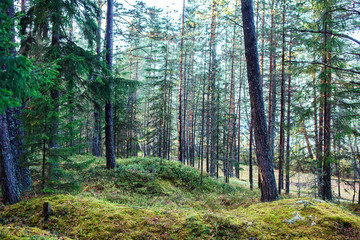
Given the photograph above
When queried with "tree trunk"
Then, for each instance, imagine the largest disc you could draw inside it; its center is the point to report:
(231, 123)
(250, 152)
(9, 187)
(265, 162)
(10, 175)
(164, 113)
(262, 44)
(96, 148)
(239, 124)
(212, 73)
(25, 173)
(14, 144)
(272, 82)
(282, 111)
(109, 121)
(180, 130)
(202, 126)
(327, 191)
(287, 164)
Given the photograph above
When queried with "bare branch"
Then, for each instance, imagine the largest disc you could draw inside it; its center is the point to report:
(327, 65)
(331, 33)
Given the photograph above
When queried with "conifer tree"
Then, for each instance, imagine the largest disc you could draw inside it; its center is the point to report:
(265, 164)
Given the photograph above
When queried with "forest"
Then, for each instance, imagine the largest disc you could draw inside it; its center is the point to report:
(228, 119)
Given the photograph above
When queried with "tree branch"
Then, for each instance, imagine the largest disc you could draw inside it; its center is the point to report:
(327, 65)
(329, 32)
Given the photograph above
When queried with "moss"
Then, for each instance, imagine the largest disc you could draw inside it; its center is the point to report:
(16, 232)
(89, 218)
(320, 220)
(146, 198)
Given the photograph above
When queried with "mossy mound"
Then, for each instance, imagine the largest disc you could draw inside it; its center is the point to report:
(354, 207)
(143, 175)
(299, 219)
(149, 198)
(152, 182)
(16, 232)
(88, 218)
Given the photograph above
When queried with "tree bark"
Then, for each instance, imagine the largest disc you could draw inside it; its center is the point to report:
(96, 146)
(9, 187)
(282, 111)
(327, 191)
(237, 173)
(212, 75)
(287, 164)
(109, 122)
(180, 130)
(251, 152)
(265, 162)
(232, 118)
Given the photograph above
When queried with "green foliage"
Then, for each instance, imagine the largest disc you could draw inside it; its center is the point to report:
(18, 80)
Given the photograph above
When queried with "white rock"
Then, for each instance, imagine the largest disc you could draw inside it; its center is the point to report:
(296, 217)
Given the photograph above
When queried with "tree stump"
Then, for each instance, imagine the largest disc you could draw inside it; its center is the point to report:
(46, 210)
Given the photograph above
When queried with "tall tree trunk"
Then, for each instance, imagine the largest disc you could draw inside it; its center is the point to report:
(180, 130)
(337, 165)
(251, 152)
(96, 148)
(358, 157)
(265, 161)
(262, 44)
(213, 114)
(202, 125)
(164, 110)
(239, 123)
(282, 111)
(185, 145)
(9, 173)
(232, 119)
(319, 153)
(14, 144)
(55, 95)
(272, 82)
(25, 173)
(287, 163)
(316, 136)
(109, 121)
(327, 191)
(9, 185)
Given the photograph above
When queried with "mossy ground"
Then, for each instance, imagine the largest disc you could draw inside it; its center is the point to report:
(146, 198)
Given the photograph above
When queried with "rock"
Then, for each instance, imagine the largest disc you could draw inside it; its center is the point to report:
(296, 217)
(306, 203)
(319, 200)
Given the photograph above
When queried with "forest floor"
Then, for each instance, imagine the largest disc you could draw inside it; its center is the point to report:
(147, 198)
(303, 184)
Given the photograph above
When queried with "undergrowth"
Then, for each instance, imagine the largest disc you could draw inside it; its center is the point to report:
(150, 198)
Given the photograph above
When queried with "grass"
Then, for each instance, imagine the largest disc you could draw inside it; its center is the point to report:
(146, 198)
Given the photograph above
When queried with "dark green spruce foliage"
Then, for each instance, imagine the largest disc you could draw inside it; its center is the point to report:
(52, 127)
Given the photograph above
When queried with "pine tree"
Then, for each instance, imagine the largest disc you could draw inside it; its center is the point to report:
(268, 183)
